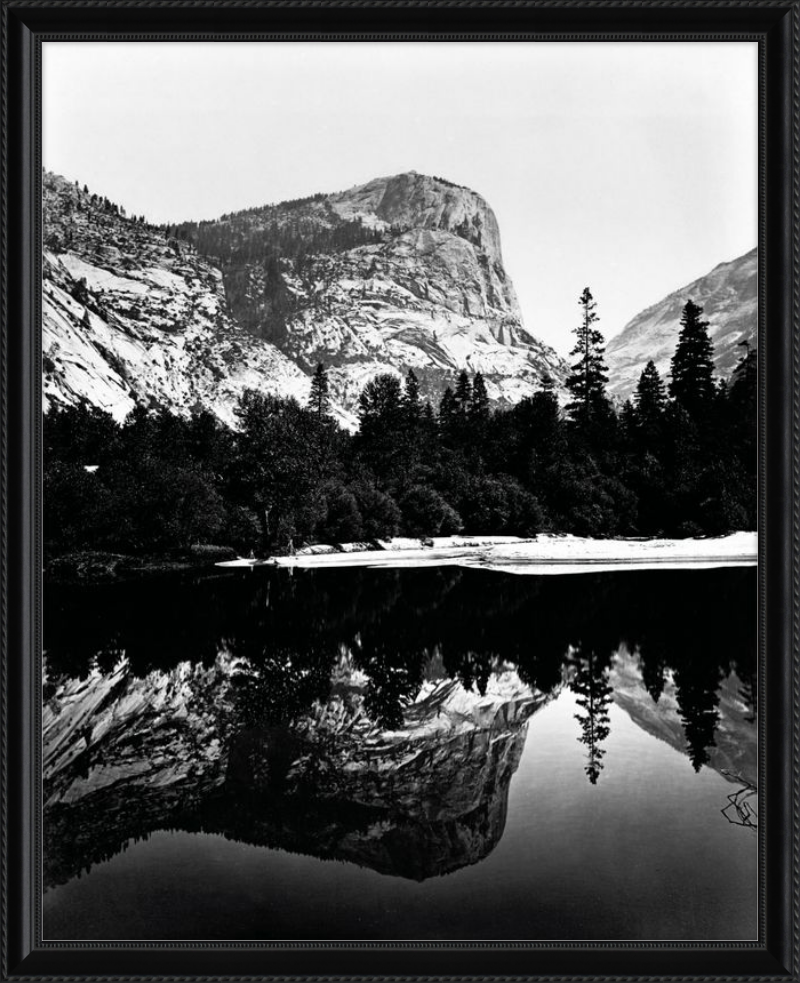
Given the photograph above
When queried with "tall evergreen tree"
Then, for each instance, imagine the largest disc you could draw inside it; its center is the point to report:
(588, 378)
(410, 432)
(698, 703)
(692, 383)
(447, 407)
(411, 401)
(380, 411)
(650, 395)
(651, 401)
(478, 409)
(319, 396)
(463, 393)
(449, 418)
(743, 391)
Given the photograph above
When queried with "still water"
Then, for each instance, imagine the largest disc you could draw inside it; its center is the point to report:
(402, 754)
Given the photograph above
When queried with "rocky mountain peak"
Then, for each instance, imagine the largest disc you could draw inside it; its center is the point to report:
(413, 200)
(404, 272)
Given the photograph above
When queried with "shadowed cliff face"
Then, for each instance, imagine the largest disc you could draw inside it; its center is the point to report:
(124, 756)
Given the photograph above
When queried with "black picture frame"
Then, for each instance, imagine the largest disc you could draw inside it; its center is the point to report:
(775, 24)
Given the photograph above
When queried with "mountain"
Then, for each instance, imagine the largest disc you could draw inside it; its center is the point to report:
(729, 298)
(130, 317)
(403, 272)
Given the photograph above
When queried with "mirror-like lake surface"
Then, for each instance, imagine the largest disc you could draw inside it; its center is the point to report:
(402, 754)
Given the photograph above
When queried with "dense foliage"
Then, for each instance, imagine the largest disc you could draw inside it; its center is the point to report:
(672, 465)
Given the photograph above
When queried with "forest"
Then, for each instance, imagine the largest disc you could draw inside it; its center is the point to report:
(678, 459)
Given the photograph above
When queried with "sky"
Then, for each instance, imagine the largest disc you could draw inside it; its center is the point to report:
(628, 167)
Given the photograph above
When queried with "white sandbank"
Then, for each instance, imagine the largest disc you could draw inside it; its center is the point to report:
(544, 554)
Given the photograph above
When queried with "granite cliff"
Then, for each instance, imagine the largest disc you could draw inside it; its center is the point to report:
(402, 272)
(131, 317)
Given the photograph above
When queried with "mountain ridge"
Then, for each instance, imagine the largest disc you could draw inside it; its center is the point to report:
(403, 272)
(728, 295)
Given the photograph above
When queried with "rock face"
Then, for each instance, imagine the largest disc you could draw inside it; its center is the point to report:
(124, 756)
(132, 317)
(729, 298)
(403, 272)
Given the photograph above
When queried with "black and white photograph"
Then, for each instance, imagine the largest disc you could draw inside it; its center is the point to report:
(400, 491)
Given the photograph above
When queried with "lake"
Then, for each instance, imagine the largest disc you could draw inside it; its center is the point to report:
(402, 754)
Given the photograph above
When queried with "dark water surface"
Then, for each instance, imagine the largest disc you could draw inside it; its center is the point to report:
(409, 754)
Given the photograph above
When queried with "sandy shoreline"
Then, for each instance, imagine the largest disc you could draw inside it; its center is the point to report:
(544, 554)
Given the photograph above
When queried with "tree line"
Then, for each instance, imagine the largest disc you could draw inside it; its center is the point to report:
(678, 459)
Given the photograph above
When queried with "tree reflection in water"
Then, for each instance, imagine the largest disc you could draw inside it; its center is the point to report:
(335, 667)
(594, 695)
(288, 632)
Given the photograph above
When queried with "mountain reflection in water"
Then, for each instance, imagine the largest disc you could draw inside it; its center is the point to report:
(375, 717)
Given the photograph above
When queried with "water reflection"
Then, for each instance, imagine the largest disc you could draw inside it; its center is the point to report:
(371, 716)
(590, 683)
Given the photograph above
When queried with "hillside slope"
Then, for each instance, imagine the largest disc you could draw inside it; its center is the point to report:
(729, 298)
(132, 317)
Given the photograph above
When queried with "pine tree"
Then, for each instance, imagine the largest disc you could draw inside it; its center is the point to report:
(698, 704)
(692, 384)
(651, 401)
(411, 403)
(650, 396)
(548, 382)
(478, 409)
(410, 433)
(463, 392)
(448, 417)
(447, 406)
(380, 410)
(744, 381)
(319, 396)
(588, 379)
